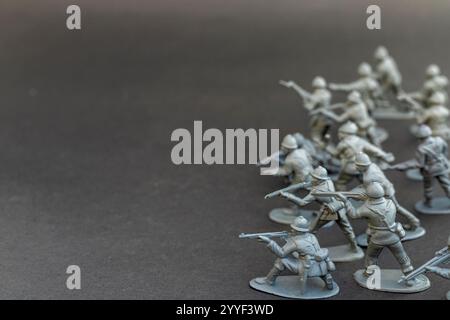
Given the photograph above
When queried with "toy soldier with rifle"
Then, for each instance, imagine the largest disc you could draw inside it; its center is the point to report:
(318, 99)
(350, 144)
(387, 72)
(434, 82)
(431, 159)
(330, 210)
(371, 172)
(384, 232)
(302, 255)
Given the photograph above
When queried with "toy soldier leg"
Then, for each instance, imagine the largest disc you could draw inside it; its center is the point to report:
(328, 279)
(444, 181)
(347, 229)
(372, 254)
(273, 274)
(428, 189)
(303, 276)
(402, 257)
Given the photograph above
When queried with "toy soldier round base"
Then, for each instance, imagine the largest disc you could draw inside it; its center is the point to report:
(288, 287)
(345, 253)
(414, 174)
(389, 281)
(409, 235)
(301, 255)
(439, 205)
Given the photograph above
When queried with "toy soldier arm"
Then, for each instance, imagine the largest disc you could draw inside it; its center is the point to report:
(292, 187)
(355, 85)
(413, 103)
(292, 85)
(267, 160)
(403, 166)
(284, 170)
(338, 118)
(298, 201)
(377, 152)
(284, 251)
(444, 273)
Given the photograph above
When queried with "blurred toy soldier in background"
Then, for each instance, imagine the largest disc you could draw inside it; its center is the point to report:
(355, 110)
(317, 100)
(431, 159)
(372, 173)
(434, 82)
(297, 164)
(330, 210)
(366, 85)
(386, 72)
(348, 147)
(301, 255)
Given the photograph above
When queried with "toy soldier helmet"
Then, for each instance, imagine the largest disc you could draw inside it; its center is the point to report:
(433, 70)
(354, 97)
(348, 128)
(424, 131)
(437, 98)
(381, 53)
(289, 142)
(364, 69)
(300, 224)
(319, 82)
(362, 160)
(374, 190)
(320, 173)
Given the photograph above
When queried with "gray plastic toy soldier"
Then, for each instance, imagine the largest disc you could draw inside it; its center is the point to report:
(318, 99)
(330, 210)
(434, 82)
(384, 232)
(431, 160)
(368, 87)
(348, 147)
(297, 165)
(435, 114)
(303, 256)
(371, 172)
(356, 111)
(387, 72)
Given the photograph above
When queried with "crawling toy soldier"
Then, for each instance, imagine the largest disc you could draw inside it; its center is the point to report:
(317, 100)
(434, 82)
(384, 232)
(431, 160)
(372, 173)
(348, 147)
(435, 114)
(296, 166)
(386, 71)
(368, 87)
(356, 111)
(444, 256)
(330, 210)
(303, 256)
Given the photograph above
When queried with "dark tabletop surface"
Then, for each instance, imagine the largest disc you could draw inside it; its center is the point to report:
(85, 125)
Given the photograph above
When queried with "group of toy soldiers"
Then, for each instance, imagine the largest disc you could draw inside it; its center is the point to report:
(326, 169)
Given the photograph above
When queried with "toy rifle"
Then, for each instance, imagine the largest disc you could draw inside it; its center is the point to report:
(301, 92)
(340, 194)
(441, 257)
(293, 187)
(279, 234)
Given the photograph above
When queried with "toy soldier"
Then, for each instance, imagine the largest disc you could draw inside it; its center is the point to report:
(444, 273)
(296, 166)
(434, 82)
(303, 256)
(371, 172)
(356, 111)
(384, 232)
(431, 159)
(387, 72)
(348, 147)
(368, 87)
(330, 210)
(435, 115)
(318, 99)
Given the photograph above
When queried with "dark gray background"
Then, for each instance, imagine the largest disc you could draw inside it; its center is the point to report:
(85, 121)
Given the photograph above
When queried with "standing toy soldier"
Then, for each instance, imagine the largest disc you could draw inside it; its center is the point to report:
(303, 256)
(372, 173)
(384, 232)
(434, 82)
(296, 167)
(356, 111)
(386, 71)
(431, 160)
(348, 147)
(318, 99)
(368, 87)
(435, 114)
(330, 210)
